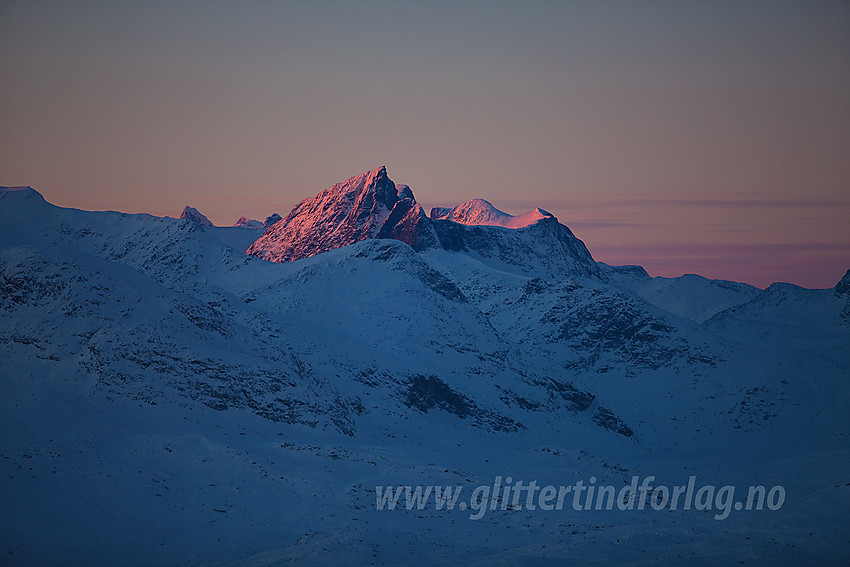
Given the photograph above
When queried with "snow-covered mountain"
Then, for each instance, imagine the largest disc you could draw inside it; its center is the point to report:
(245, 222)
(168, 399)
(365, 206)
(270, 220)
(546, 248)
(195, 216)
(372, 206)
(691, 296)
(481, 212)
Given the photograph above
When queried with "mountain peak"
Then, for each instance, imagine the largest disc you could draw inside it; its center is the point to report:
(476, 212)
(195, 216)
(245, 222)
(270, 220)
(353, 210)
(371, 205)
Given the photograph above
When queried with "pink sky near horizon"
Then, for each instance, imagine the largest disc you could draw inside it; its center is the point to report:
(707, 138)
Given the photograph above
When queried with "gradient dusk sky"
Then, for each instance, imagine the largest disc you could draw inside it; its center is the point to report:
(688, 137)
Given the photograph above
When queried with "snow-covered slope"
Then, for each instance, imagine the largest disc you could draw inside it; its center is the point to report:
(167, 399)
(691, 296)
(545, 249)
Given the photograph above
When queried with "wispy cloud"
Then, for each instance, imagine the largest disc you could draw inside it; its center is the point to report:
(703, 249)
(604, 223)
(606, 203)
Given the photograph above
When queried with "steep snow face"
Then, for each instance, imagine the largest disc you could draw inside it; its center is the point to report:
(545, 249)
(536, 245)
(195, 216)
(481, 212)
(348, 212)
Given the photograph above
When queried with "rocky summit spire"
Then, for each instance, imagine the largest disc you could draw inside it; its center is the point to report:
(245, 222)
(371, 205)
(270, 220)
(348, 212)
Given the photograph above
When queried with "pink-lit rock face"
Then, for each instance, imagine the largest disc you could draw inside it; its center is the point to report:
(409, 223)
(245, 222)
(365, 206)
(372, 206)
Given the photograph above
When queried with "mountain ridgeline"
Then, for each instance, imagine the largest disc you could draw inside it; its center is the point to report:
(371, 205)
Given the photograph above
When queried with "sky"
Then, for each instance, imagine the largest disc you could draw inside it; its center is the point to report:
(687, 137)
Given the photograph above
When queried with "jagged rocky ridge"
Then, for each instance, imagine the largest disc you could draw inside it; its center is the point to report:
(372, 206)
(248, 223)
(363, 207)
